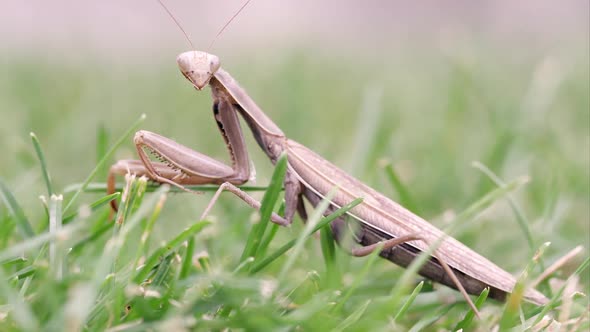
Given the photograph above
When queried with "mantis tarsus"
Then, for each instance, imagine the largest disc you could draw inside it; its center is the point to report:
(404, 234)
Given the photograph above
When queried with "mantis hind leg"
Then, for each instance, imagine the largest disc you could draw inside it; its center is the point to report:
(391, 247)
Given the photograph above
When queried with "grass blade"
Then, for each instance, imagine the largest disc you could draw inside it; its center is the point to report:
(102, 144)
(21, 311)
(359, 278)
(22, 223)
(483, 203)
(353, 317)
(513, 302)
(520, 217)
(142, 248)
(270, 235)
(56, 253)
(89, 239)
(325, 221)
(464, 324)
(167, 249)
(103, 161)
(430, 319)
(405, 198)
(554, 301)
(187, 260)
(44, 170)
(307, 230)
(409, 301)
(89, 305)
(67, 232)
(269, 200)
(329, 252)
(93, 207)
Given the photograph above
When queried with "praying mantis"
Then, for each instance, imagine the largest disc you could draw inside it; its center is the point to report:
(380, 223)
(401, 234)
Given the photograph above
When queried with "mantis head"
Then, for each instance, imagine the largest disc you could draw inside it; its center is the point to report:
(198, 67)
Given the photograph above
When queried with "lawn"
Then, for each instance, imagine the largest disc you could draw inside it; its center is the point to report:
(498, 139)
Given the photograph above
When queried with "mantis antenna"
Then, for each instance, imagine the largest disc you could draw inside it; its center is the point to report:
(177, 23)
(226, 24)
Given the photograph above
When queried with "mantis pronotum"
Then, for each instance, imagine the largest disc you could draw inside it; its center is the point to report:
(403, 234)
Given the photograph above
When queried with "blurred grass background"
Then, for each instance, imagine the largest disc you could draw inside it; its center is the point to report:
(430, 109)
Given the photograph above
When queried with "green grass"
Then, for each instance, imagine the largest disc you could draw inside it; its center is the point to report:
(449, 135)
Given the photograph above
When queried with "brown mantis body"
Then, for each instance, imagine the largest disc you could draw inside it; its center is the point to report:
(380, 220)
